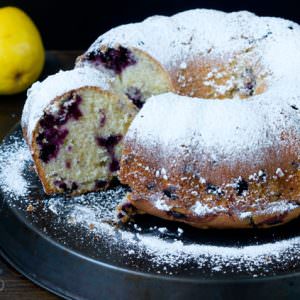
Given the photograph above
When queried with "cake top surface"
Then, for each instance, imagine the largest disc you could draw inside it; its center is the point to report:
(202, 32)
(216, 129)
(40, 95)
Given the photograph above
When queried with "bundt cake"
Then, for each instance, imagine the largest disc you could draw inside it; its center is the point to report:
(203, 160)
(74, 126)
(217, 142)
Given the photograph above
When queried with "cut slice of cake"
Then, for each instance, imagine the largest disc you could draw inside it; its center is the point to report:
(74, 126)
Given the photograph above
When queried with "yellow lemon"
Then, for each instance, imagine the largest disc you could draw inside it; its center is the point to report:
(22, 53)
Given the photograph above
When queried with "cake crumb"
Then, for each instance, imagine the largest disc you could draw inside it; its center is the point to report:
(30, 208)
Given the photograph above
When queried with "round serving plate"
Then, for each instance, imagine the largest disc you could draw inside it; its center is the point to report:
(75, 248)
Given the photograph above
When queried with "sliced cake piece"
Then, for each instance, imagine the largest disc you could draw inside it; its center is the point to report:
(74, 127)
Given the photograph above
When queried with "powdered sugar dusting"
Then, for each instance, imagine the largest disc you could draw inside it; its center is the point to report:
(278, 207)
(179, 37)
(204, 32)
(161, 205)
(175, 252)
(201, 209)
(222, 129)
(12, 163)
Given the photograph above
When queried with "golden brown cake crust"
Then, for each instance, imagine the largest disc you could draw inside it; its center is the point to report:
(218, 221)
(261, 201)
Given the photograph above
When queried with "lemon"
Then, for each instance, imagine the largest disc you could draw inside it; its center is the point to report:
(22, 53)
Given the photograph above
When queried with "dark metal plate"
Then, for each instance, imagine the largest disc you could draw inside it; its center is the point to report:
(80, 262)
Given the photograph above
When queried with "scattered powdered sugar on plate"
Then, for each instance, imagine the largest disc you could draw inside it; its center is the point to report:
(176, 253)
(12, 160)
(166, 249)
(162, 250)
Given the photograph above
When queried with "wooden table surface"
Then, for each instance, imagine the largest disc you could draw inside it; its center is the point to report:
(12, 284)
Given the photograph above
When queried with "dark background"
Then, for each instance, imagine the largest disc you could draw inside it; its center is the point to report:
(67, 25)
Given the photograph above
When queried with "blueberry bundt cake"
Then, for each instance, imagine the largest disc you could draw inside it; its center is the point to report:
(229, 157)
(217, 143)
(74, 126)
